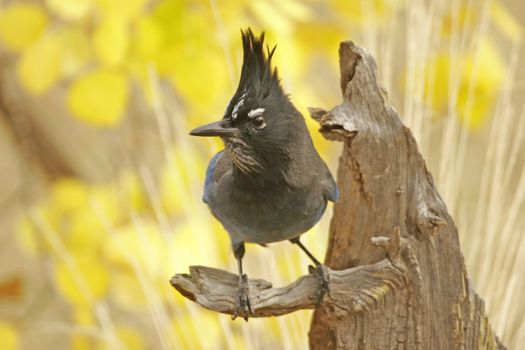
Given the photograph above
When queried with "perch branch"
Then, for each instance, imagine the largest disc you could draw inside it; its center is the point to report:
(352, 290)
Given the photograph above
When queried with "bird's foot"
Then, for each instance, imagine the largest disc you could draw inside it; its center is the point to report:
(323, 279)
(242, 302)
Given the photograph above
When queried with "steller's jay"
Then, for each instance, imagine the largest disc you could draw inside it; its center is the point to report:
(269, 183)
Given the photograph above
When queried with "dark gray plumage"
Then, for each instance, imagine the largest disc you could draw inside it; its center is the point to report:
(269, 184)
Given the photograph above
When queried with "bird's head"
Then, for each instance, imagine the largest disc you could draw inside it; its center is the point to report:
(260, 121)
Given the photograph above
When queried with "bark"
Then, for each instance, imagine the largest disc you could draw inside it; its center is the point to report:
(396, 268)
(384, 183)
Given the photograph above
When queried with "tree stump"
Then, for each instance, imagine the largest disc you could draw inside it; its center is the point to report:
(397, 275)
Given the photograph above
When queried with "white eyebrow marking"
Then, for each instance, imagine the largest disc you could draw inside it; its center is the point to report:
(256, 112)
(238, 105)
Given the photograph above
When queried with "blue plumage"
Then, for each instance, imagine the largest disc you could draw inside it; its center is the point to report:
(269, 184)
(333, 194)
(209, 175)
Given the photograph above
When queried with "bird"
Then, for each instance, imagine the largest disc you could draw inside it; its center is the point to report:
(269, 183)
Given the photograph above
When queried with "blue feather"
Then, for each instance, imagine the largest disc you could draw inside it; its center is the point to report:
(334, 195)
(209, 176)
(331, 192)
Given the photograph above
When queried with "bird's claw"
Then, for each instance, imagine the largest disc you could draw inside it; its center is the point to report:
(243, 307)
(323, 281)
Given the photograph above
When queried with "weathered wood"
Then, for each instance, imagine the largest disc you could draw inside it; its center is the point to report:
(355, 289)
(408, 291)
(384, 183)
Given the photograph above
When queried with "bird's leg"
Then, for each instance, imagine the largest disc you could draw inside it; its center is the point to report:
(320, 270)
(242, 302)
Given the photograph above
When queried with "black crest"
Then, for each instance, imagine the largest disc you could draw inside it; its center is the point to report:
(257, 73)
(258, 79)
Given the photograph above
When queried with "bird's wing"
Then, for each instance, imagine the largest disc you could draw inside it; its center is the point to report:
(330, 190)
(218, 166)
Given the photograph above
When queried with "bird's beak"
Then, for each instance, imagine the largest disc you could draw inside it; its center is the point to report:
(214, 129)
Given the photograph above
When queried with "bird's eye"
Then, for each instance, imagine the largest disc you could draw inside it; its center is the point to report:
(258, 122)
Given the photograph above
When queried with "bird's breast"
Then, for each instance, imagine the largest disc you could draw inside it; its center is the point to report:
(267, 215)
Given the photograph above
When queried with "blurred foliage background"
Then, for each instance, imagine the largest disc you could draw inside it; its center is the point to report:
(101, 186)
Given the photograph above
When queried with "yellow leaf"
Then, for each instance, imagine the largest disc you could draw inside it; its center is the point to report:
(76, 50)
(70, 9)
(68, 193)
(105, 202)
(86, 231)
(87, 280)
(437, 83)
(474, 113)
(147, 39)
(21, 24)
(486, 66)
(132, 192)
(482, 79)
(39, 67)
(190, 73)
(82, 341)
(99, 97)
(124, 9)
(63, 53)
(137, 245)
(188, 63)
(188, 248)
(111, 40)
(8, 336)
(170, 16)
